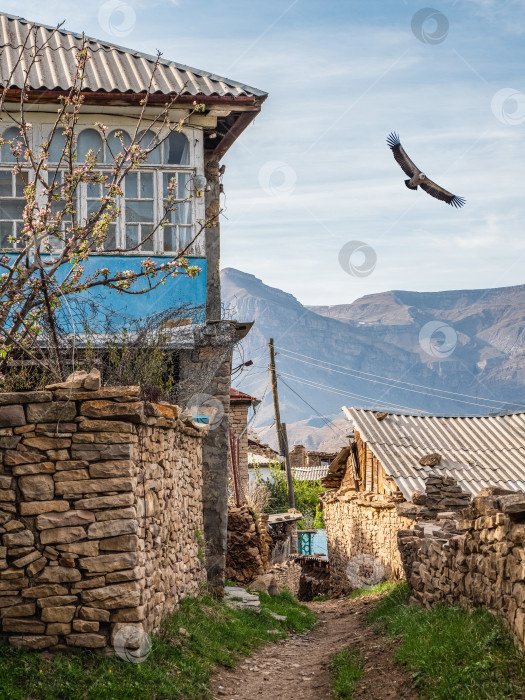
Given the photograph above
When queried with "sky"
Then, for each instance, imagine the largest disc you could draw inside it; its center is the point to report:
(314, 202)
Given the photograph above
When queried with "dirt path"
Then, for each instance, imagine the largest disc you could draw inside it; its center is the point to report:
(298, 667)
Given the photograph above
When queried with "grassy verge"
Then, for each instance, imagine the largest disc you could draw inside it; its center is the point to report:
(451, 652)
(346, 669)
(179, 665)
(373, 590)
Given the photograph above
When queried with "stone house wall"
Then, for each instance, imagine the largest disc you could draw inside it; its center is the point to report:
(474, 557)
(361, 523)
(100, 514)
(238, 422)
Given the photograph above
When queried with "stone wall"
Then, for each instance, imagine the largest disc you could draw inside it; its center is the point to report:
(287, 575)
(361, 523)
(100, 514)
(238, 422)
(474, 557)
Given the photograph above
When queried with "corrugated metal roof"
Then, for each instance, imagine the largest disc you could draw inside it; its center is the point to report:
(477, 451)
(111, 68)
(310, 473)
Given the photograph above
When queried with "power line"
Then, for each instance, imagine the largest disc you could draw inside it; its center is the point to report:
(428, 390)
(255, 410)
(316, 385)
(327, 423)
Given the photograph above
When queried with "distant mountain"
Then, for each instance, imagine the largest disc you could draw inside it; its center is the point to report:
(452, 352)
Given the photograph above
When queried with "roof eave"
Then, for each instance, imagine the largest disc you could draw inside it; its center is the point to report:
(92, 97)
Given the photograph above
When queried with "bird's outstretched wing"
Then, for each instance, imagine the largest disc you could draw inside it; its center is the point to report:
(440, 193)
(407, 166)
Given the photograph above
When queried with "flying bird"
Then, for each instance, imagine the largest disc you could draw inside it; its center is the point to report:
(417, 177)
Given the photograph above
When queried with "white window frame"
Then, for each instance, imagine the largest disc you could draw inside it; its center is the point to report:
(31, 177)
(195, 139)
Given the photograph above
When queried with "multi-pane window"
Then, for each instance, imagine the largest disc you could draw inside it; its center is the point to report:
(177, 234)
(12, 205)
(58, 205)
(139, 219)
(95, 191)
(142, 205)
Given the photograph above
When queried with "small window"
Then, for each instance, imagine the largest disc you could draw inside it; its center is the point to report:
(177, 149)
(56, 242)
(12, 203)
(177, 232)
(116, 140)
(95, 192)
(89, 140)
(56, 147)
(138, 209)
(146, 140)
(11, 134)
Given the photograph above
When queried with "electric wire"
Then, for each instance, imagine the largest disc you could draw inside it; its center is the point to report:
(327, 423)
(376, 401)
(428, 390)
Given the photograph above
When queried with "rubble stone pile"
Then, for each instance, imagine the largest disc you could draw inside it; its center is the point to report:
(471, 556)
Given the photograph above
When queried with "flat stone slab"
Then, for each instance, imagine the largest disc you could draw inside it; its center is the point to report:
(239, 598)
(276, 616)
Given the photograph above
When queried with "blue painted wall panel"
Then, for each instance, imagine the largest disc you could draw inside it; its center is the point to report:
(179, 291)
(176, 292)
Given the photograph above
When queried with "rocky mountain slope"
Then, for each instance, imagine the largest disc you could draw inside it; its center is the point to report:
(452, 352)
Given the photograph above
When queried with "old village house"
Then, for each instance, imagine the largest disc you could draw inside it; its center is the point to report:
(116, 80)
(378, 482)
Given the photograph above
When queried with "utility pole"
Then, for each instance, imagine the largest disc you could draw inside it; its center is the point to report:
(282, 437)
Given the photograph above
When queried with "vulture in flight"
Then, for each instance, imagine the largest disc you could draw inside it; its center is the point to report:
(417, 177)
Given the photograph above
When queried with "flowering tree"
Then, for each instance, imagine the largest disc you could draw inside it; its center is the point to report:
(43, 265)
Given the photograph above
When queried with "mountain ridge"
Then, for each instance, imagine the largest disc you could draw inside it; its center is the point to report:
(360, 353)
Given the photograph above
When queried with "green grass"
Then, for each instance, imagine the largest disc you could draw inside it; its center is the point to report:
(346, 669)
(452, 653)
(373, 590)
(178, 666)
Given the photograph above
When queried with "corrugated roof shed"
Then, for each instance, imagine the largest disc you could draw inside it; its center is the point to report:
(310, 473)
(477, 451)
(112, 68)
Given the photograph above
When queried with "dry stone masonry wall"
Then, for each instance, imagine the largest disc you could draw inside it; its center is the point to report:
(471, 556)
(100, 513)
(360, 523)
